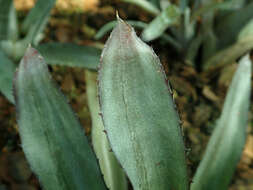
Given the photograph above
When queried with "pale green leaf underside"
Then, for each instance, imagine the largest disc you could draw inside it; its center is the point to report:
(52, 138)
(226, 144)
(114, 175)
(7, 69)
(72, 55)
(139, 115)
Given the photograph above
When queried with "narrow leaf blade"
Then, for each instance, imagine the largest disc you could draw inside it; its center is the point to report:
(72, 55)
(51, 136)
(138, 113)
(36, 20)
(7, 69)
(226, 143)
(114, 175)
(5, 9)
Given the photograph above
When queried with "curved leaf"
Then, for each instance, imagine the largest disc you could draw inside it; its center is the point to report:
(226, 143)
(114, 175)
(70, 55)
(139, 114)
(52, 138)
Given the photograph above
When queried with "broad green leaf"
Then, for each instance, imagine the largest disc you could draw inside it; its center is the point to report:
(144, 4)
(8, 25)
(73, 55)
(226, 143)
(114, 175)
(168, 17)
(7, 69)
(230, 54)
(51, 136)
(229, 27)
(36, 20)
(139, 114)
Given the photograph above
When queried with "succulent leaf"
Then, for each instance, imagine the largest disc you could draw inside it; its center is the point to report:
(52, 138)
(226, 143)
(139, 114)
(113, 173)
(72, 55)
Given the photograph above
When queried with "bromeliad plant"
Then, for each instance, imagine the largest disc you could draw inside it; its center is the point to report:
(13, 45)
(137, 115)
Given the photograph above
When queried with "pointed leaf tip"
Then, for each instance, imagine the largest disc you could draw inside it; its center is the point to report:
(30, 53)
(52, 138)
(138, 112)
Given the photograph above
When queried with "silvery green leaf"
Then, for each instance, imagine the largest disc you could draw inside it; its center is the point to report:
(139, 114)
(227, 141)
(52, 138)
